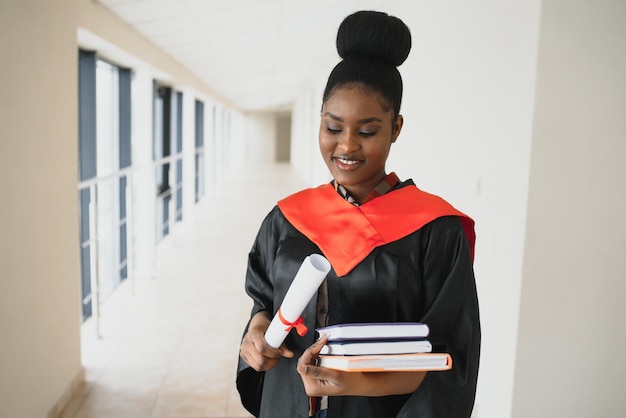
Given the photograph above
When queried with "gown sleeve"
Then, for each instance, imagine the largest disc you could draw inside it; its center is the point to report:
(453, 317)
(259, 287)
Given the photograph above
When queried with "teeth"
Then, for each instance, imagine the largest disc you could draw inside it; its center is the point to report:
(347, 162)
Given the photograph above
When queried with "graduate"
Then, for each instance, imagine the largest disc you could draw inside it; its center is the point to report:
(397, 253)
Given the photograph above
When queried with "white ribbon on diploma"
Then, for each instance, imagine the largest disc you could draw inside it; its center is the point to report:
(310, 276)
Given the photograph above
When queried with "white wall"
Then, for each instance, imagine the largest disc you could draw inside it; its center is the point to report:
(229, 145)
(189, 145)
(267, 137)
(305, 153)
(260, 133)
(283, 138)
(143, 180)
(39, 242)
(570, 360)
(468, 103)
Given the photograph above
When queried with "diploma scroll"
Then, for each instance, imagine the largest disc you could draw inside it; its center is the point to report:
(310, 276)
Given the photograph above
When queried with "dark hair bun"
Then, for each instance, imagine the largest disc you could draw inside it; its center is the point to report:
(374, 35)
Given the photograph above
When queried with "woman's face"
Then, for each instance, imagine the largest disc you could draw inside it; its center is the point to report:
(355, 136)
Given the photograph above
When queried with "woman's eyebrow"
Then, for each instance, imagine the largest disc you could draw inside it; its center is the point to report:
(335, 117)
(366, 120)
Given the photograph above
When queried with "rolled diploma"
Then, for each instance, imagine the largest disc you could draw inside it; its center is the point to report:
(310, 276)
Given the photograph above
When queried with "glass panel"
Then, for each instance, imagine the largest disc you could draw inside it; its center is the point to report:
(108, 235)
(85, 261)
(107, 119)
(108, 190)
(123, 223)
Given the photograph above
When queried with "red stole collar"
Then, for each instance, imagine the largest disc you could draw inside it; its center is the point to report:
(346, 234)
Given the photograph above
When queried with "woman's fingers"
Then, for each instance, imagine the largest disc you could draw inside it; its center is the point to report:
(285, 352)
(257, 353)
(309, 356)
(312, 375)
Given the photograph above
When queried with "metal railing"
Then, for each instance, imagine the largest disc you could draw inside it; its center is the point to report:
(96, 236)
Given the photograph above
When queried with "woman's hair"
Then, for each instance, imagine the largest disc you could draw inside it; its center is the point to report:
(372, 44)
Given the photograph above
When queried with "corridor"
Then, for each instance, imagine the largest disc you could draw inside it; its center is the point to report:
(169, 343)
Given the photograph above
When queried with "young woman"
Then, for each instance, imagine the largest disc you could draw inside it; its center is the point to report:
(397, 254)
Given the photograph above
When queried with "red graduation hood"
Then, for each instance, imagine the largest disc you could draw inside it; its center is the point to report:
(346, 234)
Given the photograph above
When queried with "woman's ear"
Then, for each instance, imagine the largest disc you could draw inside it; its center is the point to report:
(396, 128)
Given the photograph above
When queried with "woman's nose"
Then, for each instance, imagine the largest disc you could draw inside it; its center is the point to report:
(348, 142)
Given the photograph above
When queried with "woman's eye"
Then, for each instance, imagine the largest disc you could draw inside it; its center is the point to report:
(367, 134)
(333, 130)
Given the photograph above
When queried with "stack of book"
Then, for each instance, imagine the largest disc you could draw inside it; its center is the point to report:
(394, 346)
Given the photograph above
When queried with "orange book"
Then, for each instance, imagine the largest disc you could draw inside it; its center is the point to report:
(388, 362)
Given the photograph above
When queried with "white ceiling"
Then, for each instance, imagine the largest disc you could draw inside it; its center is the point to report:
(258, 54)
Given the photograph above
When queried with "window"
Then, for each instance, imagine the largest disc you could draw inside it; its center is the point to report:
(199, 151)
(178, 155)
(162, 149)
(104, 161)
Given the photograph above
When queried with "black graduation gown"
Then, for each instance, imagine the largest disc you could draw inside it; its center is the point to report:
(425, 276)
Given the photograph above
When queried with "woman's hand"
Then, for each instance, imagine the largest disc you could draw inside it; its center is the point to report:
(254, 349)
(321, 381)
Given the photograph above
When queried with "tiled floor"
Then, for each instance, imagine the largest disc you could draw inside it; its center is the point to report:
(169, 348)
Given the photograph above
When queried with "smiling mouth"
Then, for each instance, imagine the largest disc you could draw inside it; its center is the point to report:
(346, 161)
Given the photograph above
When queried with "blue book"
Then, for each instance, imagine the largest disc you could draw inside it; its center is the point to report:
(375, 331)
